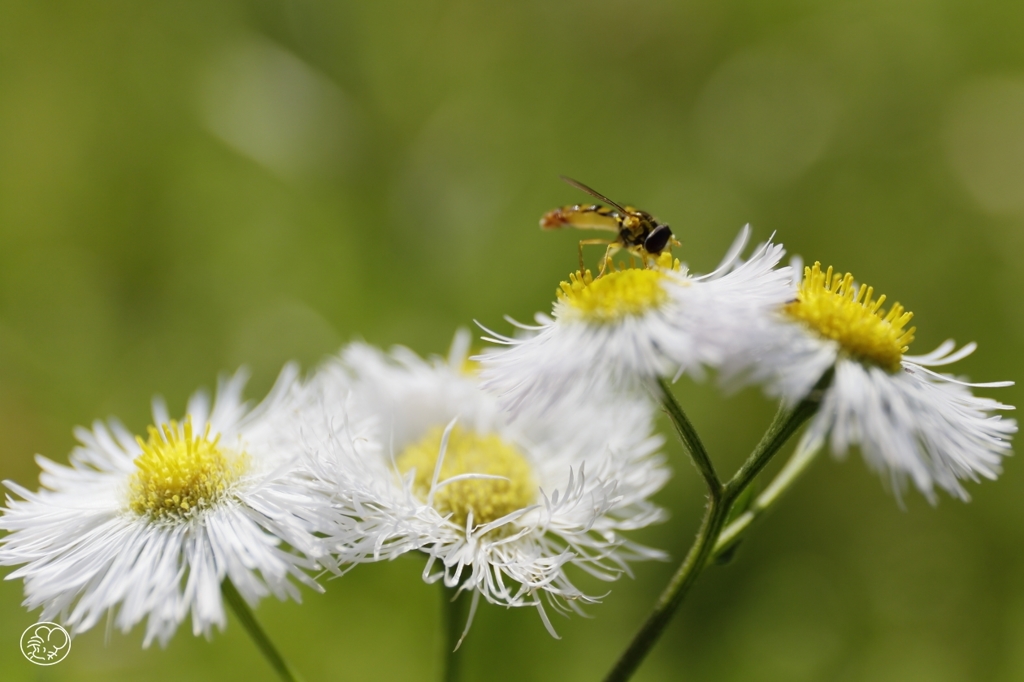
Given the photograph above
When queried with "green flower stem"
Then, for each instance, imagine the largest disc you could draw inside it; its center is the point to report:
(259, 637)
(720, 500)
(715, 515)
(691, 441)
(789, 474)
(785, 424)
(453, 616)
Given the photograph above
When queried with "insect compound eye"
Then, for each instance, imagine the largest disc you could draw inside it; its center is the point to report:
(658, 239)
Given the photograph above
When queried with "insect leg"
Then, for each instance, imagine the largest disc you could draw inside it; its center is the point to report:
(589, 242)
(613, 248)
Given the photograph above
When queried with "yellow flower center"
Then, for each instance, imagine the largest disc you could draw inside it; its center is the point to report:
(837, 309)
(617, 293)
(488, 499)
(469, 367)
(180, 473)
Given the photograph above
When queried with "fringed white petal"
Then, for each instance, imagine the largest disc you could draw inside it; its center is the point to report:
(705, 323)
(596, 465)
(84, 554)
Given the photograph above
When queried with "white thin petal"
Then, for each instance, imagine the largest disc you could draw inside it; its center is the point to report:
(83, 554)
(705, 322)
(521, 558)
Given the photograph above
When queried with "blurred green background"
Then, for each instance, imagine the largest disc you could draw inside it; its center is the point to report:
(186, 187)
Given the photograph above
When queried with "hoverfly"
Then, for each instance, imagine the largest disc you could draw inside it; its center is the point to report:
(640, 233)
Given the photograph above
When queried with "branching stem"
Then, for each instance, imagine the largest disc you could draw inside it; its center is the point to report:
(707, 544)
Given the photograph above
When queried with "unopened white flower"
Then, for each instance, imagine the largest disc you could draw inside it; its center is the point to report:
(150, 527)
(909, 421)
(635, 324)
(499, 510)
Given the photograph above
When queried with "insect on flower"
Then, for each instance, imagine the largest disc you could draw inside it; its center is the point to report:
(640, 233)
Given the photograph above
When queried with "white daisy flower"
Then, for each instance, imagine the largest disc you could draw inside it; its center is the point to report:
(909, 421)
(634, 324)
(499, 510)
(150, 527)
